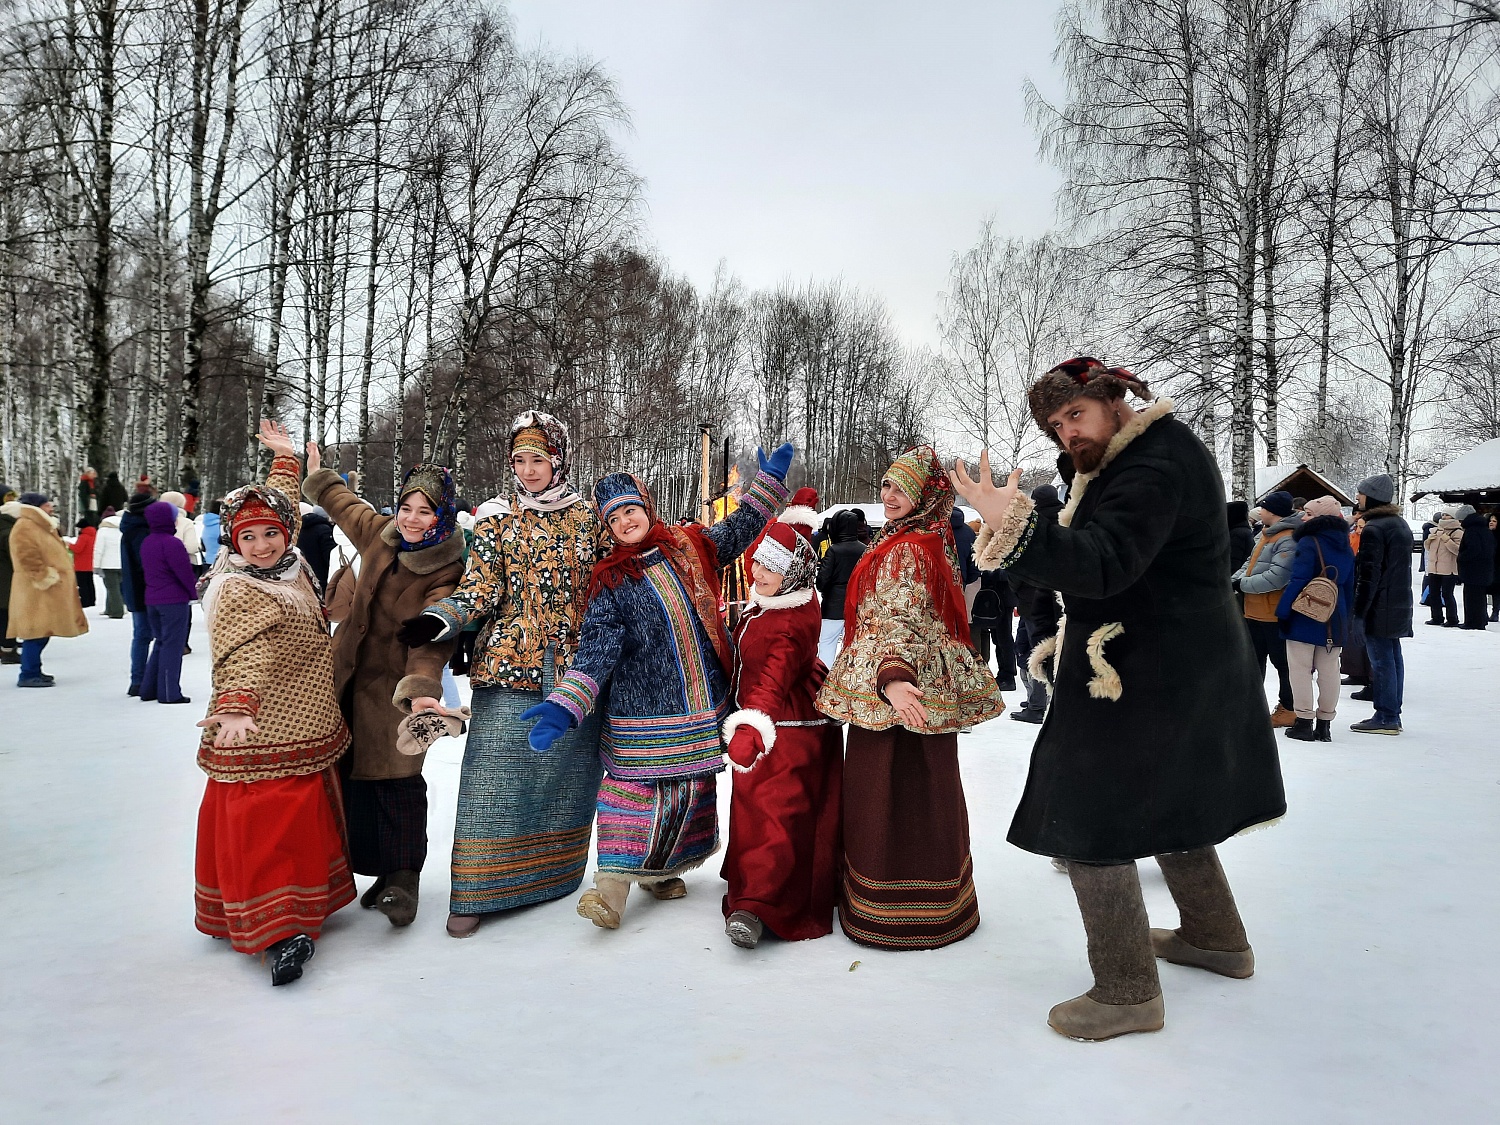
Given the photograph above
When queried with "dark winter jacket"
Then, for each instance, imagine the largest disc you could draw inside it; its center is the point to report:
(7, 568)
(315, 541)
(837, 565)
(113, 494)
(165, 566)
(133, 532)
(995, 601)
(1476, 552)
(963, 540)
(667, 689)
(1330, 533)
(1038, 605)
(1241, 538)
(1382, 586)
(1158, 739)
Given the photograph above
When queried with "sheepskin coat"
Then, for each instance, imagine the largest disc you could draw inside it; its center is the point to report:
(43, 595)
(1157, 739)
(375, 676)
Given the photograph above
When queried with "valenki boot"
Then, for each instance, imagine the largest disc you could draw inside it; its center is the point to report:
(372, 896)
(605, 904)
(1211, 935)
(398, 901)
(667, 889)
(1126, 996)
(744, 929)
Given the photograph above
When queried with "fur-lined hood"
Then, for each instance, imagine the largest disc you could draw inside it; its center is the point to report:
(1318, 524)
(1138, 424)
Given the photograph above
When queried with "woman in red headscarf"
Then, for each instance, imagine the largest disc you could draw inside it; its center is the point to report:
(907, 681)
(272, 859)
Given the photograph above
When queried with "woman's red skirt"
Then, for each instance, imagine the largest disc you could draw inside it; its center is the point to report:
(272, 859)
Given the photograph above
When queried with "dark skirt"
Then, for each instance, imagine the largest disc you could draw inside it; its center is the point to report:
(387, 821)
(908, 879)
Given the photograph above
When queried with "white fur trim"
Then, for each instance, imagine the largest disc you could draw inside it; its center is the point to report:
(1037, 664)
(1138, 424)
(1105, 683)
(799, 514)
(780, 601)
(992, 546)
(758, 721)
(1262, 826)
(773, 556)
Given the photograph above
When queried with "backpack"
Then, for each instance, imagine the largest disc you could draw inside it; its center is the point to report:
(987, 607)
(1320, 597)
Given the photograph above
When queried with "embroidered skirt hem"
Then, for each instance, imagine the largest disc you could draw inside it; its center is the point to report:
(650, 831)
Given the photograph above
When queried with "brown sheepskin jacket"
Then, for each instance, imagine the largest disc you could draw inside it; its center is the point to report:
(43, 595)
(375, 676)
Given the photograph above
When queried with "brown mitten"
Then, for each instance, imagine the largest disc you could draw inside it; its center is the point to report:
(420, 731)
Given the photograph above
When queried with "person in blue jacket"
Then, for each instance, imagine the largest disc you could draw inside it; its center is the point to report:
(654, 642)
(1313, 647)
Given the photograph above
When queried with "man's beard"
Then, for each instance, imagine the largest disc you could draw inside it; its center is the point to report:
(1087, 454)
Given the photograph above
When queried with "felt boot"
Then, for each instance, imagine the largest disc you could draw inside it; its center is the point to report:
(605, 904)
(398, 901)
(1126, 996)
(288, 956)
(1324, 731)
(1302, 731)
(371, 896)
(1210, 934)
(463, 925)
(667, 889)
(744, 929)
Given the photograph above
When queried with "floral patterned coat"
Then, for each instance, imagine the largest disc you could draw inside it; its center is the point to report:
(899, 636)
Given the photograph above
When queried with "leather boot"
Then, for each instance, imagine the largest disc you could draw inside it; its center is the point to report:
(1283, 716)
(605, 904)
(398, 901)
(1302, 730)
(667, 889)
(1126, 996)
(1324, 731)
(1210, 935)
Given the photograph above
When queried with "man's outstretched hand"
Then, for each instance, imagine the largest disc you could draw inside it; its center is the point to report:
(991, 501)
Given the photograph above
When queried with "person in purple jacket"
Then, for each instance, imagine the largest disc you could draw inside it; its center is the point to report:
(170, 589)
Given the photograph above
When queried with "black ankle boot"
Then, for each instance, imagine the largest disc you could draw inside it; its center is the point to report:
(1324, 730)
(1301, 730)
(288, 956)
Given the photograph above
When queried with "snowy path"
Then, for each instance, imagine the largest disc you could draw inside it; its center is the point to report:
(1373, 910)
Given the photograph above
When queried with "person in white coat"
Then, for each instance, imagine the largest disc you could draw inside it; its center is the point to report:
(107, 563)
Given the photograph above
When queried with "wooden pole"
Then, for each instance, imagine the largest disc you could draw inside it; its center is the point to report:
(704, 429)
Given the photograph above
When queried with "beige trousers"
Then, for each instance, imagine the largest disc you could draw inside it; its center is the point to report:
(1302, 661)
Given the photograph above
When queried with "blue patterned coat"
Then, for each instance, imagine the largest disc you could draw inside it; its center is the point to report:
(643, 640)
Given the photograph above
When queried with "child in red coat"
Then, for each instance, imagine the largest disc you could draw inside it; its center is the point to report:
(787, 759)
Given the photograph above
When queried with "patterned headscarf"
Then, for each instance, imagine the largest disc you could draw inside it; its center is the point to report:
(927, 530)
(541, 433)
(436, 484)
(256, 504)
(782, 550)
(246, 507)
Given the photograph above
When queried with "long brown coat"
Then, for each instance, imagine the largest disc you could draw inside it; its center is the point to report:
(375, 676)
(43, 595)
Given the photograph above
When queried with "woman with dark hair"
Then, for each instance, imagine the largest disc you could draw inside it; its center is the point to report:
(834, 571)
(906, 682)
(654, 634)
(408, 562)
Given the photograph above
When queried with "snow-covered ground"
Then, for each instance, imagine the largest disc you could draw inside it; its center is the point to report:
(1373, 910)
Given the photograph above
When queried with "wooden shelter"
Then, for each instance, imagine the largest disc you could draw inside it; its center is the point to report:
(1300, 481)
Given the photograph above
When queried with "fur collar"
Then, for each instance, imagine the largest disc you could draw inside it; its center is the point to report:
(1139, 423)
(427, 559)
(11, 509)
(780, 601)
(1321, 523)
(35, 515)
(1381, 511)
(799, 514)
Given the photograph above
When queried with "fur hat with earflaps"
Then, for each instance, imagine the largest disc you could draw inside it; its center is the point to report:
(1081, 377)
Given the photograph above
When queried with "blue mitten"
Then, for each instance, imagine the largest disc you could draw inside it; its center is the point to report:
(552, 722)
(778, 463)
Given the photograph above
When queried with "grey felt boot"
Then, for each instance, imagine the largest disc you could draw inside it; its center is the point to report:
(398, 901)
(1211, 935)
(1126, 996)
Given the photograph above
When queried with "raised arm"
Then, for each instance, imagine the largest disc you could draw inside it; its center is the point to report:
(360, 522)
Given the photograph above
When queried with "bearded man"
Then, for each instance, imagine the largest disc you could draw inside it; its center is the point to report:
(1157, 742)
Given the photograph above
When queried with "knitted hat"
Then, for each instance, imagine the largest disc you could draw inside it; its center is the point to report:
(1379, 489)
(1080, 377)
(617, 490)
(910, 471)
(802, 511)
(35, 499)
(1323, 506)
(784, 550)
(253, 512)
(1463, 512)
(139, 502)
(1279, 504)
(176, 499)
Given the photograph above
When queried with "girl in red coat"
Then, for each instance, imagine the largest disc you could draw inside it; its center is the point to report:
(782, 861)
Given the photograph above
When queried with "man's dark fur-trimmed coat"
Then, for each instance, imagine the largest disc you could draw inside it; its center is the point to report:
(1158, 739)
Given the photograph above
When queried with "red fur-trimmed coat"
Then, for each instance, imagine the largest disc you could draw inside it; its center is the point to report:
(783, 854)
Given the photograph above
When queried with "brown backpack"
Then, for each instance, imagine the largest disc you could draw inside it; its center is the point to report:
(1320, 597)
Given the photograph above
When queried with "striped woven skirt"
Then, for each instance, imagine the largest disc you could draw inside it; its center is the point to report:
(908, 879)
(654, 830)
(524, 819)
(270, 859)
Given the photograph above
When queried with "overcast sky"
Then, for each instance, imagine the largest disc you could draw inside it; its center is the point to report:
(821, 139)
